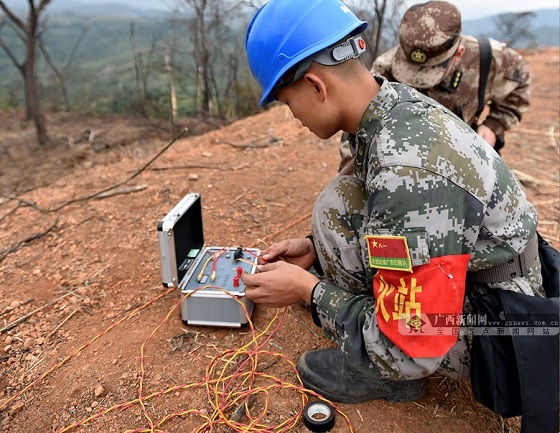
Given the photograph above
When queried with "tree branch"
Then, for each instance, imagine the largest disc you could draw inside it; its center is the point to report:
(17, 246)
(13, 17)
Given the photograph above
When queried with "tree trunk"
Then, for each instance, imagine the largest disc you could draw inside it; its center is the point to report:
(380, 8)
(34, 110)
(172, 88)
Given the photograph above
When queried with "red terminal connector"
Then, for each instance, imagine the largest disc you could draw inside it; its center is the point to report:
(239, 271)
(236, 281)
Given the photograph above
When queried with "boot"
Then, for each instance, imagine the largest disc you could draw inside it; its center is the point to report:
(327, 373)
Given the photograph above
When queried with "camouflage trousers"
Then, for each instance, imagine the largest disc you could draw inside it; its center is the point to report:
(344, 298)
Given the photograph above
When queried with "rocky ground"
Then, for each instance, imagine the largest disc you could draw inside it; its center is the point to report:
(86, 326)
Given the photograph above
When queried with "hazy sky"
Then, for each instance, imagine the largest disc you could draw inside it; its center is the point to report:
(470, 9)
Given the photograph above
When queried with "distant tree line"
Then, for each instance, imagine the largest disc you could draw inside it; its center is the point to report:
(193, 65)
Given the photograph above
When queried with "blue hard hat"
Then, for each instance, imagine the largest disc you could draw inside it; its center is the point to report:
(284, 32)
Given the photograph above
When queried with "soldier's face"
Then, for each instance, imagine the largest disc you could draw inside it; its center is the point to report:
(306, 104)
(454, 61)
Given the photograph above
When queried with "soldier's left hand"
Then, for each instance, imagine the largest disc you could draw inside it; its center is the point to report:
(486, 133)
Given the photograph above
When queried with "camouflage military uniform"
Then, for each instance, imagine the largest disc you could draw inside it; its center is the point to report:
(507, 90)
(430, 35)
(422, 174)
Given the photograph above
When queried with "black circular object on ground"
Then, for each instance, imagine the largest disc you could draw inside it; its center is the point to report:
(318, 416)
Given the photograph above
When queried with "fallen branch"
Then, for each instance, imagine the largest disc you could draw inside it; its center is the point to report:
(117, 185)
(524, 177)
(103, 191)
(21, 304)
(11, 211)
(4, 253)
(60, 324)
(291, 310)
(252, 145)
(26, 202)
(531, 131)
(553, 141)
(125, 190)
(27, 316)
(188, 167)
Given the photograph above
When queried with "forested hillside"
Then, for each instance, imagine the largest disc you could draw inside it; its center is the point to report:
(108, 58)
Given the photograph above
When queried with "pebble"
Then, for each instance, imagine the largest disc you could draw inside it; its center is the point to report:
(16, 408)
(28, 342)
(99, 391)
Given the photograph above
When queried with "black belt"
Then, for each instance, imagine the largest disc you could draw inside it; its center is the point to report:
(515, 267)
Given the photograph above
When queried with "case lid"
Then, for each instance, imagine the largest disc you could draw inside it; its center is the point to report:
(187, 234)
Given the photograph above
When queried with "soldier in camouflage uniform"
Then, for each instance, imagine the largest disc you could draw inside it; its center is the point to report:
(430, 202)
(435, 58)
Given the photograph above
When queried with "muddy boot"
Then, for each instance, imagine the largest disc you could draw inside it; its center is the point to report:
(327, 373)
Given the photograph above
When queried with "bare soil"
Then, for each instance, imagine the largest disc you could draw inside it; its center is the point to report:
(85, 323)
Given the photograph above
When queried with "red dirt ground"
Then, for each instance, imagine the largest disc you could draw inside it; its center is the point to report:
(73, 278)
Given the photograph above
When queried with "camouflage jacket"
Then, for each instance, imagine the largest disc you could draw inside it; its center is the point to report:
(424, 168)
(431, 180)
(507, 91)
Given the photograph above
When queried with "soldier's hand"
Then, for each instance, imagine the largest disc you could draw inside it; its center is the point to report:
(279, 284)
(486, 133)
(299, 252)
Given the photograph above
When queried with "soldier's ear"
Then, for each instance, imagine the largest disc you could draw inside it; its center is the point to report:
(317, 83)
(460, 52)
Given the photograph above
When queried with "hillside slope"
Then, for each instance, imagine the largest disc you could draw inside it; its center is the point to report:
(85, 319)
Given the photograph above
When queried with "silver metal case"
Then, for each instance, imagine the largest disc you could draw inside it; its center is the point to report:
(188, 264)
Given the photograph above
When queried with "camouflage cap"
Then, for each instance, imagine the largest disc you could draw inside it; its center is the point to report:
(429, 35)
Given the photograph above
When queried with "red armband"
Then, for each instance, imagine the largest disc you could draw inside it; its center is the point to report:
(408, 305)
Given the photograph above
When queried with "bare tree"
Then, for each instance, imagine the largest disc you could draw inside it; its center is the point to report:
(208, 21)
(29, 32)
(514, 27)
(253, 4)
(63, 73)
(382, 16)
(168, 57)
(200, 46)
(141, 71)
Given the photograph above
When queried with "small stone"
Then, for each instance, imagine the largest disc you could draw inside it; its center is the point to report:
(99, 391)
(16, 408)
